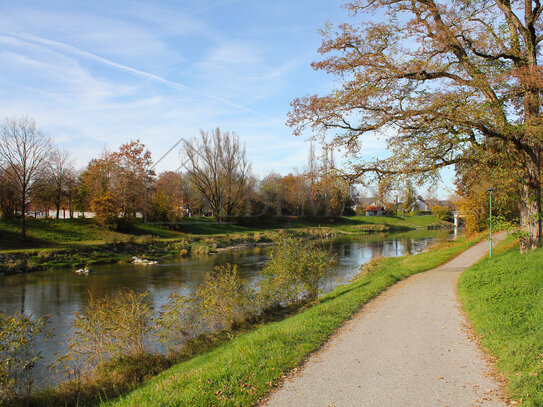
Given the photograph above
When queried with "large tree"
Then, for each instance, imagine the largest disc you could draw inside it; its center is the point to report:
(118, 182)
(168, 204)
(24, 154)
(443, 80)
(54, 184)
(219, 170)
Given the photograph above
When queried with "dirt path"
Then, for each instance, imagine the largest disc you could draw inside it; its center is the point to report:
(408, 347)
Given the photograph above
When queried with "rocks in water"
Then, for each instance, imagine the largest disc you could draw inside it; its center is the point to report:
(144, 262)
(85, 271)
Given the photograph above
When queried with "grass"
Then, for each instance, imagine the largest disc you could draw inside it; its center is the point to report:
(245, 369)
(53, 233)
(356, 223)
(62, 232)
(503, 297)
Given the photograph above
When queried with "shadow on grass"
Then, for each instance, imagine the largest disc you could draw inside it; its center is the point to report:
(340, 293)
(10, 240)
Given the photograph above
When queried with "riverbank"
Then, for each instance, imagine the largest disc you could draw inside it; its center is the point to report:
(242, 371)
(503, 298)
(76, 243)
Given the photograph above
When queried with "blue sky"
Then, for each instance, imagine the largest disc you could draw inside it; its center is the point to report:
(98, 74)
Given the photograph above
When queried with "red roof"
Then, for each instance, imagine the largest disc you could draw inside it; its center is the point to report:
(371, 208)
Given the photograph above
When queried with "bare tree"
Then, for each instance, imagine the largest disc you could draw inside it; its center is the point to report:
(71, 185)
(59, 174)
(24, 152)
(218, 168)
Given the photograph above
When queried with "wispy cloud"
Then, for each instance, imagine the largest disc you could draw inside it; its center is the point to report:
(146, 75)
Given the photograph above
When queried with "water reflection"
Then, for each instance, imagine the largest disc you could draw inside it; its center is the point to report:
(59, 293)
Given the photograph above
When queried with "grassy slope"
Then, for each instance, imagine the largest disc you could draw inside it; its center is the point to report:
(394, 222)
(43, 233)
(243, 370)
(54, 233)
(503, 297)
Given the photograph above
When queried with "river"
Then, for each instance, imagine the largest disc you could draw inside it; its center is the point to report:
(60, 293)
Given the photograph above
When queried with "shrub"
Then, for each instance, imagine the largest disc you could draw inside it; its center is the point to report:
(200, 248)
(292, 261)
(223, 298)
(180, 245)
(176, 321)
(276, 291)
(441, 212)
(18, 355)
(110, 327)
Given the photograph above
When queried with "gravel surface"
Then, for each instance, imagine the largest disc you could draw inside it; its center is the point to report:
(409, 347)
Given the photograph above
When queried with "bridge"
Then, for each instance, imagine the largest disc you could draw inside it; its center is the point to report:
(457, 215)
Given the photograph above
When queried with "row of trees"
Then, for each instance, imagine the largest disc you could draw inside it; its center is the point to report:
(122, 185)
(32, 167)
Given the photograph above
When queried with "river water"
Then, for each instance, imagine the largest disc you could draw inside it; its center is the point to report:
(60, 293)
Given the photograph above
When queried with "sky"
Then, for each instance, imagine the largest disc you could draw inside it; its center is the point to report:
(97, 74)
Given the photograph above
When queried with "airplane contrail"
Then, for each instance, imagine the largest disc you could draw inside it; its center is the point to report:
(171, 84)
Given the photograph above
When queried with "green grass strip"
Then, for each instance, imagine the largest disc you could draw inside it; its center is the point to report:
(245, 369)
(503, 297)
(52, 233)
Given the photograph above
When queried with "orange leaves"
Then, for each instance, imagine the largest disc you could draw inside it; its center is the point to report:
(119, 181)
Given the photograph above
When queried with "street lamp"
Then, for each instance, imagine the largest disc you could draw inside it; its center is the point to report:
(489, 190)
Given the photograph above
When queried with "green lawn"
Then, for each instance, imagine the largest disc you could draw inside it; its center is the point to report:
(503, 297)
(352, 223)
(47, 232)
(243, 370)
(55, 233)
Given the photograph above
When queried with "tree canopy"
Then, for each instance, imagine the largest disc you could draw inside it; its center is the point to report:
(445, 81)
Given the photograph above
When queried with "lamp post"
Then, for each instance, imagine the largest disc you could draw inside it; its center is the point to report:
(489, 190)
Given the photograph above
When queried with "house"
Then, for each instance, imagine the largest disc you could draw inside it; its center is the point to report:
(374, 210)
(420, 205)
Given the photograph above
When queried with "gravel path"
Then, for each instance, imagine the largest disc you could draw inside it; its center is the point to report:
(408, 347)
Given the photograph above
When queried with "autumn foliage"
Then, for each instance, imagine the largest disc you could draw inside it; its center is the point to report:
(446, 81)
(118, 183)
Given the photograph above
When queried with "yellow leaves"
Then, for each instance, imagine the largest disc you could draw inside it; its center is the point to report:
(18, 355)
(223, 298)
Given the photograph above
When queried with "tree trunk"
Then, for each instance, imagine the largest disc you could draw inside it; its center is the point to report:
(530, 204)
(23, 217)
(228, 215)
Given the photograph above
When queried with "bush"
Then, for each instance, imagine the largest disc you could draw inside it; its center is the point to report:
(182, 246)
(111, 327)
(176, 321)
(18, 355)
(276, 292)
(223, 298)
(441, 212)
(296, 263)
